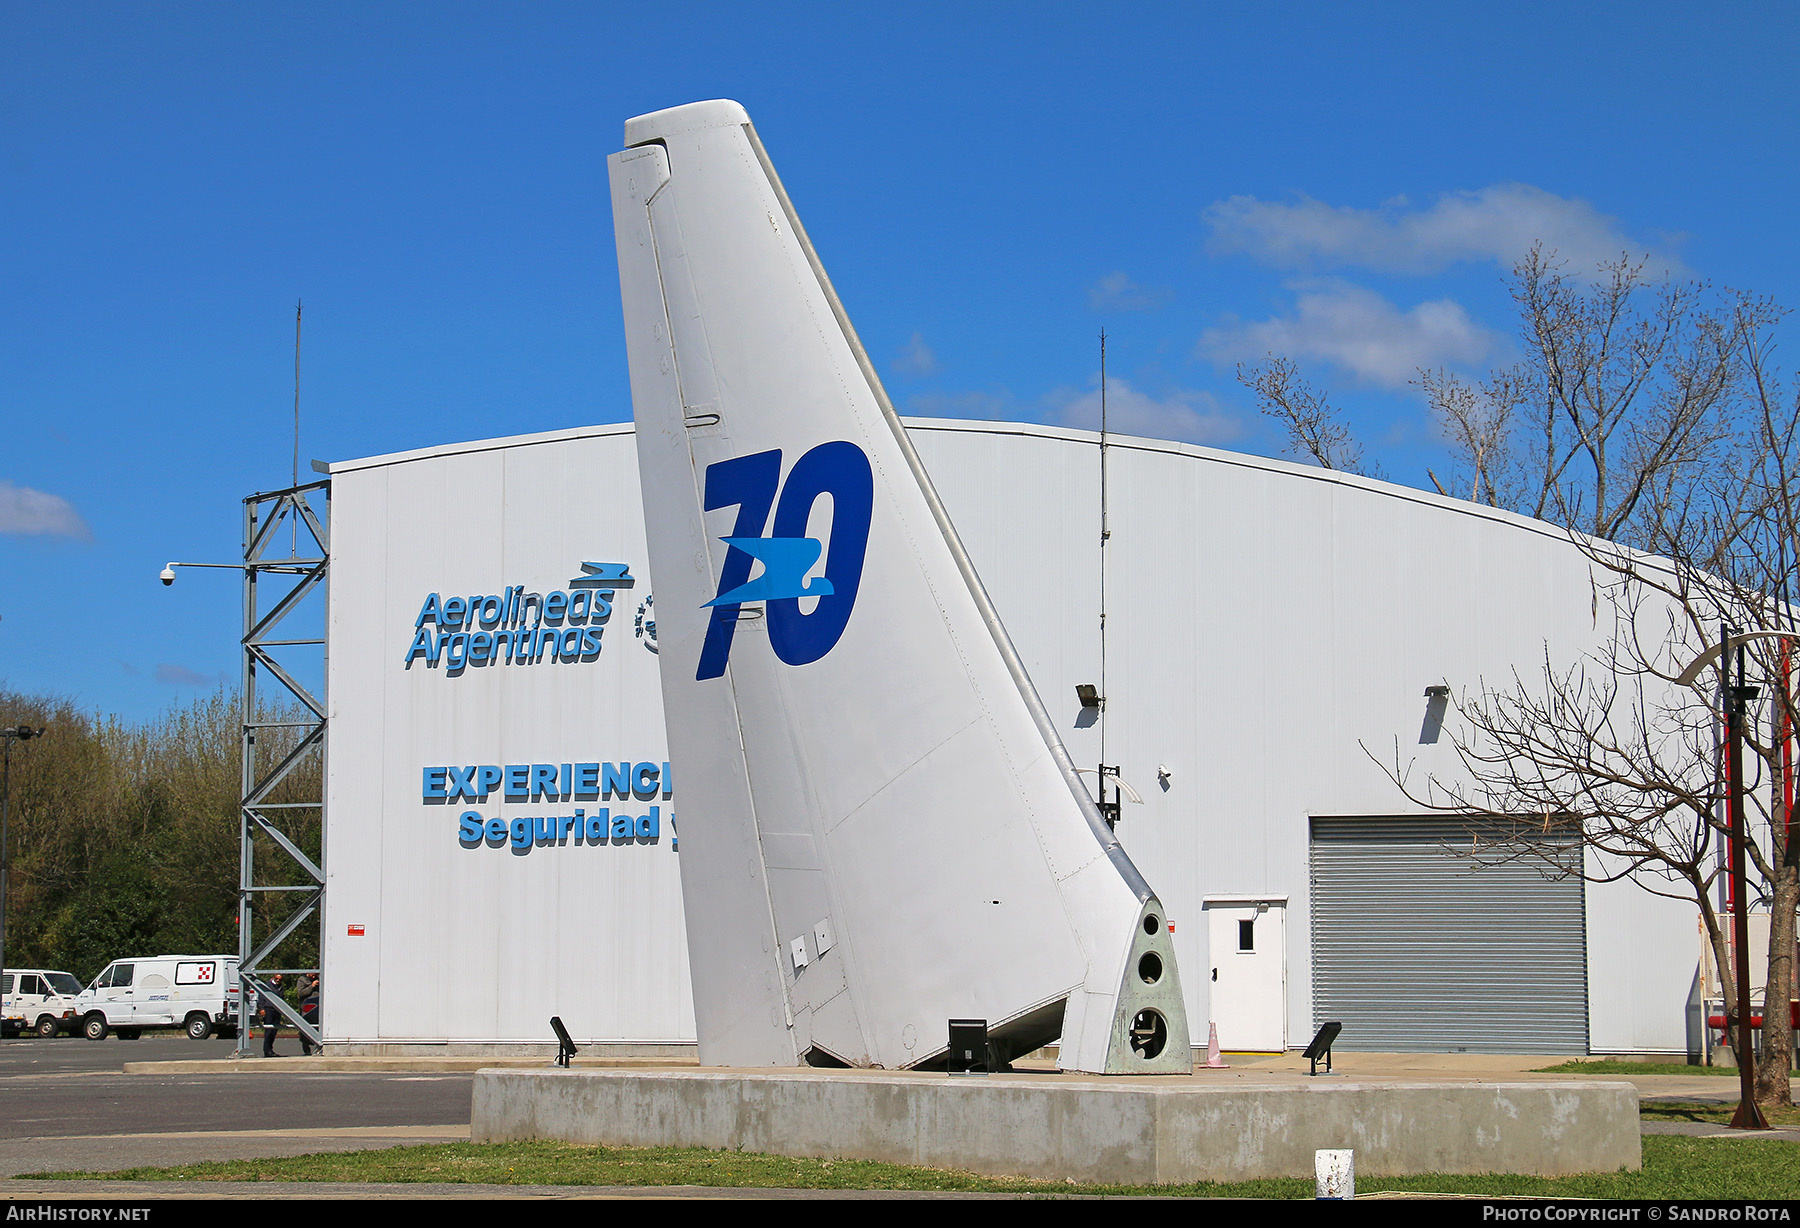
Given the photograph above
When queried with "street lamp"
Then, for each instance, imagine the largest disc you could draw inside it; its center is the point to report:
(167, 575)
(1737, 701)
(18, 733)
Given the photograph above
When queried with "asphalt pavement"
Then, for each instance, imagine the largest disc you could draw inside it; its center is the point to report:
(69, 1105)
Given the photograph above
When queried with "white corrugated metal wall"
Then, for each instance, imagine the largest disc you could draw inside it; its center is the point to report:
(1271, 628)
(1267, 623)
(484, 944)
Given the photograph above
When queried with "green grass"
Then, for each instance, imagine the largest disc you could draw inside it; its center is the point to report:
(1674, 1167)
(1611, 1066)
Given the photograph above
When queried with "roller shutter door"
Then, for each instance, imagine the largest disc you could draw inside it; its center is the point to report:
(1417, 949)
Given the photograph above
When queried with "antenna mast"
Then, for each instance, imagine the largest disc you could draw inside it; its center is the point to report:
(297, 305)
(1109, 810)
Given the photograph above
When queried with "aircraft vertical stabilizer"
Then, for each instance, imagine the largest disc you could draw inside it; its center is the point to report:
(883, 830)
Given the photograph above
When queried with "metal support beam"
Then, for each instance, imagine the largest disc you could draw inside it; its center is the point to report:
(306, 510)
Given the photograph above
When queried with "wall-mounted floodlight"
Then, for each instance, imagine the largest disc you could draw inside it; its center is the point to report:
(324, 467)
(1089, 695)
(1437, 704)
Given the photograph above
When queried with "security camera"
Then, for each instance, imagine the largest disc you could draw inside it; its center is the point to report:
(168, 574)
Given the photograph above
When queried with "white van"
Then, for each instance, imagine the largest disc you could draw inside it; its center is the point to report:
(38, 1000)
(198, 993)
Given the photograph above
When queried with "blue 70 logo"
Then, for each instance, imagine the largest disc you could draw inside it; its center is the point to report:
(839, 469)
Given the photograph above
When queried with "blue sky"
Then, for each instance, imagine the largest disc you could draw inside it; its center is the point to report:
(988, 185)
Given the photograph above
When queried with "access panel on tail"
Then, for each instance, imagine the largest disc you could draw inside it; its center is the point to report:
(883, 830)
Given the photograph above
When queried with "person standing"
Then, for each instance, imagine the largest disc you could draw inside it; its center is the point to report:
(270, 1013)
(309, 1011)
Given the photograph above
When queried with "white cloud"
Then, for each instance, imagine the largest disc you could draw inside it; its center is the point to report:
(29, 512)
(1497, 223)
(915, 358)
(1194, 417)
(979, 406)
(1185, 414)
(1360, 331)
(1117, 292)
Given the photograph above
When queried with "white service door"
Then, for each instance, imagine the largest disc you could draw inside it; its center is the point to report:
(1248, 948)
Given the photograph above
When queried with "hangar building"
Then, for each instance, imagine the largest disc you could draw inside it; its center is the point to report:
(503, 829)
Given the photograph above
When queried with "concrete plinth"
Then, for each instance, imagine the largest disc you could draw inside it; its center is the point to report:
(1121, 1130)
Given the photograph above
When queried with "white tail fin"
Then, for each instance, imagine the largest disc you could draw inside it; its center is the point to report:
(883, 829)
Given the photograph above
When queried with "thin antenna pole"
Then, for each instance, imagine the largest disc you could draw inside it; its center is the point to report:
(1105, 533)
(294, 519)
(297, 306)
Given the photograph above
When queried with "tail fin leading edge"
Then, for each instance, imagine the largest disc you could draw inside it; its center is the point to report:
(883, 830)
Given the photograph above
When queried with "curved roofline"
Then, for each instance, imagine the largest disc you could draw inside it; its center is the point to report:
(1244, 460)
(1135, 443)
(477, 445)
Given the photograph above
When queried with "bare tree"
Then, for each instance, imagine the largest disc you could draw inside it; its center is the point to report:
(1624, 398)
(1644, 417)
(1477, 419)
(1615, 750)
(1314, 425)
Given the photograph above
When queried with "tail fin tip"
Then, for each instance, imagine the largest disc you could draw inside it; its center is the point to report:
(689, 117)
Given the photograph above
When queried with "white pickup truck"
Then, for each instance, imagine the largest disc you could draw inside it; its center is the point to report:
(38, 1000)
(197, 993)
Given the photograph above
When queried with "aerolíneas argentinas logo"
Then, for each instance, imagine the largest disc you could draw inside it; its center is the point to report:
(517, 627)
(751, 484)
